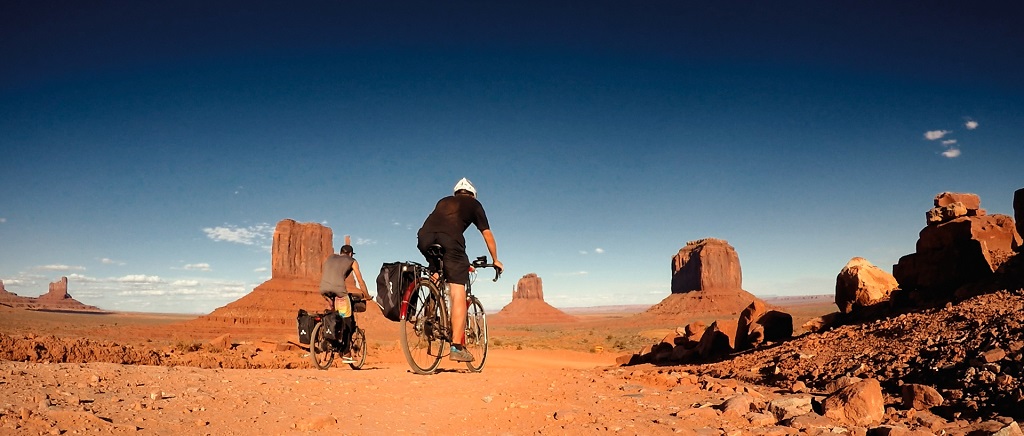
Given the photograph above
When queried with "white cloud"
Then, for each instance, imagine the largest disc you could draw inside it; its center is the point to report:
(572, 273)
(365, 241)
(59, 267)
(197, 267)
(240, 235)
(81, 278)
(142, 292)
(260, 269)
(138, 278)
(108, 261)
(599, 250)
(971, 124)
(951, 153)
(185, 283)
(932, 135)
(3, 220)
(948, 141)
(583, 251)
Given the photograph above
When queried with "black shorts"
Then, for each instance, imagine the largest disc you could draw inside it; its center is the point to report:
(456, 262)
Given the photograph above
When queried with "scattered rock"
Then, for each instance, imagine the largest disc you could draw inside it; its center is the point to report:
(858, 404)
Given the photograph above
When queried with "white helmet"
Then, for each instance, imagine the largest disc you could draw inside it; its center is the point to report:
(465, 184)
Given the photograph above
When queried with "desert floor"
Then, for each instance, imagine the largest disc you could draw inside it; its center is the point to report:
(538, 379)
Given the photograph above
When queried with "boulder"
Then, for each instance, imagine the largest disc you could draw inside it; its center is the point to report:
(955, 254)
(968, 201)
(718, 339)
(776, 325)
(747, 324)
(862, 284)
(858, 404)
(952, 254)
(949, 212)
(920, 397)
(706, 264)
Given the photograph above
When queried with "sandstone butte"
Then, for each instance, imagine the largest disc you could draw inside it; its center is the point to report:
(706, 281)
(528, 305)
(56, 298)
(297, 256)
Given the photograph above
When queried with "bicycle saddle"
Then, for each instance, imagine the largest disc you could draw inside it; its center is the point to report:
(435, 250)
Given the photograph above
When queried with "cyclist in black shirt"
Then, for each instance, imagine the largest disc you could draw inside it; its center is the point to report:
(445, 225)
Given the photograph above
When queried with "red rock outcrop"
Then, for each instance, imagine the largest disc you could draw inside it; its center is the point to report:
(528, 305)
(529, 287)
(706, 264)
(299, 250)
(706, 281)
(862, 284)
(957, 251)
(1018, 212)
(58, 291)
(8, 298)
(56, 298)
(297, 257)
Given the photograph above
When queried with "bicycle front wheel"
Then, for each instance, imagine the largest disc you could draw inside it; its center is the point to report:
(422, 329)
(476, 334)
(358, 348)
(320, 350)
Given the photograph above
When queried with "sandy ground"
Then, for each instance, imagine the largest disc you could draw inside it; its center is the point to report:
(531, 385)
(73, 374)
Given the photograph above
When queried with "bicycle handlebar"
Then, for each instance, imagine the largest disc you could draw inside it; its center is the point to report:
(481, 262)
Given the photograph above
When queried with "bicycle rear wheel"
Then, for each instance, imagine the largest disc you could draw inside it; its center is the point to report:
(423, 338)
(320, 350)
(476, 334)
(358, 348)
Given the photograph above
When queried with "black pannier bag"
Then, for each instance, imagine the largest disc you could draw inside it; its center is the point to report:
(332, 326)
(306, 323)
(392, 281)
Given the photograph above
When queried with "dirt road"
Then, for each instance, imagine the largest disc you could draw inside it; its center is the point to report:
(519, 392)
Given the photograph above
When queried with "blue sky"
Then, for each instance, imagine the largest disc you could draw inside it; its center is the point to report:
(149, 150)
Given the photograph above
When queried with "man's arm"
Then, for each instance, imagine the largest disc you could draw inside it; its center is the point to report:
(359, 280)
(492, 247)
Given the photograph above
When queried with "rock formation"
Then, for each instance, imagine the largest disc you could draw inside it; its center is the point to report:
(959, 245)
(297, 256)
(7, 298)
(528, 305)
(1018, 212)
(529, 287)
(706, 264)
(55, 299)
(706, 281)
(58, 291)
(299, 250)
(862, 284)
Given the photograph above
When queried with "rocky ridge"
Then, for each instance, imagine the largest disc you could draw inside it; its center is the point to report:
(56, 298)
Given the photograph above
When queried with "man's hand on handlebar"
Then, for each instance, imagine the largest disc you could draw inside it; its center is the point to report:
(481, 262)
